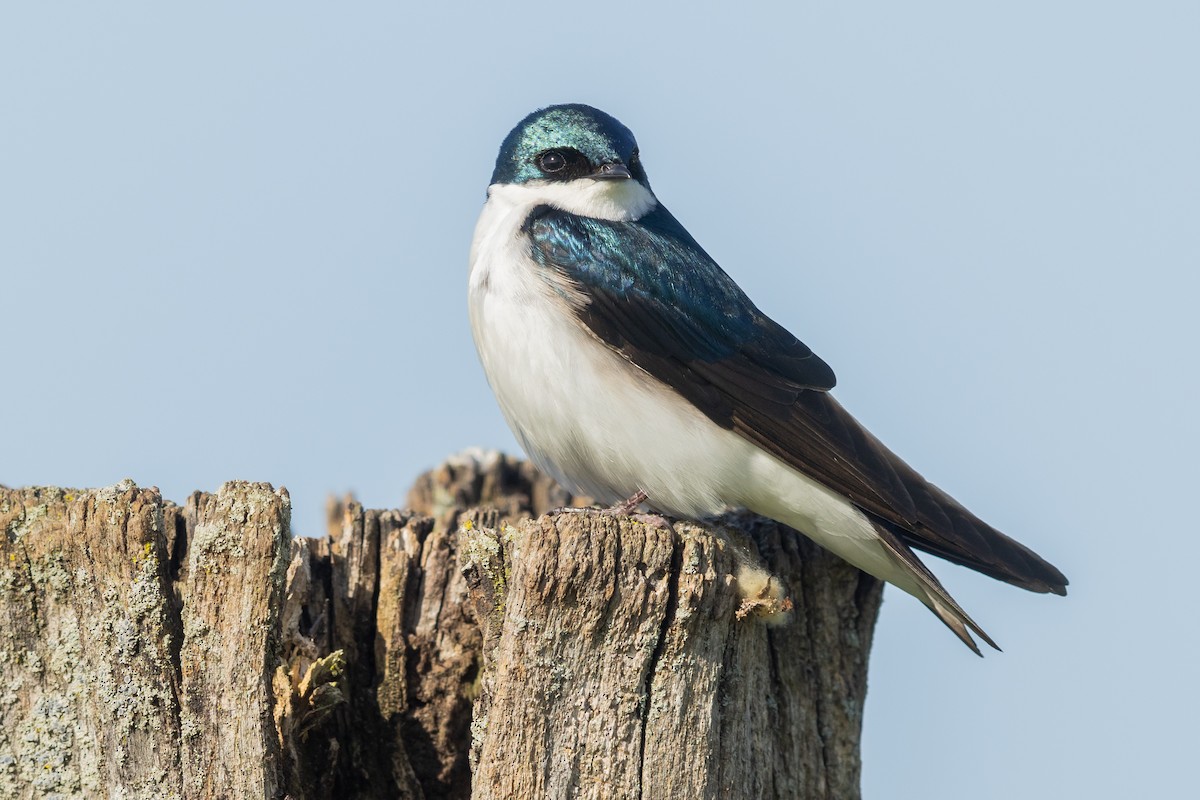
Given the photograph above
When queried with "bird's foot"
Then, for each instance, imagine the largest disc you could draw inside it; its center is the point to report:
(624, 509)
(628, 507)
(656, 521)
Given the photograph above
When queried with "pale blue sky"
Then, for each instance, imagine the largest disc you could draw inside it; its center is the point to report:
(233, 244)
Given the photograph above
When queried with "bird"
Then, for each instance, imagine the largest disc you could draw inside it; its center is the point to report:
(631, 368)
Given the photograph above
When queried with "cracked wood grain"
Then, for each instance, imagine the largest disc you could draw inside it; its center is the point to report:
(616, 664)
(465, 647)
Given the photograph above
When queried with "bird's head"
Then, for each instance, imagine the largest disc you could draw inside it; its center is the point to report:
(569, 143)
(579, 159)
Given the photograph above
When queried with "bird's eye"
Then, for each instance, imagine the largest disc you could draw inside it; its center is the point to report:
(551, 161)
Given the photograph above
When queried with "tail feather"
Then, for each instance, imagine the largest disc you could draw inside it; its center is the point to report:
(935, 597)
(840, 526)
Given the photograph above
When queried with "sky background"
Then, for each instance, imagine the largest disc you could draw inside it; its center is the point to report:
(233, 244)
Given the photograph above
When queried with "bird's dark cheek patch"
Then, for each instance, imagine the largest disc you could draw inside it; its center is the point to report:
(563, 164)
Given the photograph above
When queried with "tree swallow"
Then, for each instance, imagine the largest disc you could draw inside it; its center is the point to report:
(632, 368)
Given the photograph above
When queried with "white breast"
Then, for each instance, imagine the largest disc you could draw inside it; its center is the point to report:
(582, 412)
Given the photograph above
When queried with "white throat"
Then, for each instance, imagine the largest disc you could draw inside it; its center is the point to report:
(613, 200)
(497, 244)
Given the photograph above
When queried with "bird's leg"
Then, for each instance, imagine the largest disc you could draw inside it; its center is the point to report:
(627, 508)
(621, 509)
(624, 509)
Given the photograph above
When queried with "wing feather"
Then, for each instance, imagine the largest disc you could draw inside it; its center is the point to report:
(649, 291)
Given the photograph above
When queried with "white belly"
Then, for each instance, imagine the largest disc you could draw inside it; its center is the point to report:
(582, 413)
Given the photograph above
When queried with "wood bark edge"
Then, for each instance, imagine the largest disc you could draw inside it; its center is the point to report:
(460, 648)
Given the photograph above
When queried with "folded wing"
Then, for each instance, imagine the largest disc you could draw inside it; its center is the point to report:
(649, 291)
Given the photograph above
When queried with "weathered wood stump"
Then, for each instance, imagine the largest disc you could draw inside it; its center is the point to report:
(456, 649)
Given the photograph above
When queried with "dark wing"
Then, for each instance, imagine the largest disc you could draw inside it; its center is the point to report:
(649, 291)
